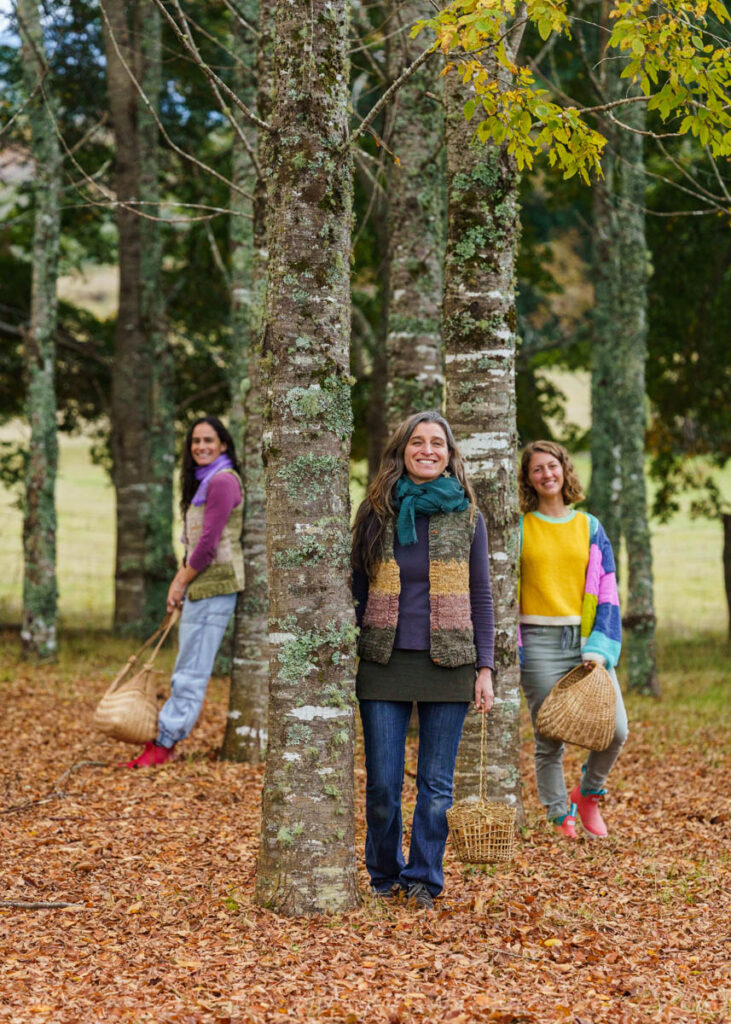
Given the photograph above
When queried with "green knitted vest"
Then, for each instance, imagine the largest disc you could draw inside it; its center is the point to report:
(225, 574)
(452, 637)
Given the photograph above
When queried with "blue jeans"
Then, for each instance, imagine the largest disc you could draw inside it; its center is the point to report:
(548, 653)
(202, 626)
(384, 731)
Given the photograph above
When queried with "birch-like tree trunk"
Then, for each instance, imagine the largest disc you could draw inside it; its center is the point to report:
(479, 332)
(39, 520)
(245, 738)
(307, 854)
(141, 407)
(414, 365)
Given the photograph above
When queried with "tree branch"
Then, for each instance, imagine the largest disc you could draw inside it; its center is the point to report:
(388, 94)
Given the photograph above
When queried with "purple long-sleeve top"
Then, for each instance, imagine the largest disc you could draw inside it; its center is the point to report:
(224, 494)
(413, 630)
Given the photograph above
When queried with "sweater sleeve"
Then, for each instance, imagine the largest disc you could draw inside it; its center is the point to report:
(604, 642)
(483, 620)
(360, 594)
(224, 494)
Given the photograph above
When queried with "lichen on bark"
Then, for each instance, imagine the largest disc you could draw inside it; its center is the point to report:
(307, 415)
(38, 632)
(479, 341)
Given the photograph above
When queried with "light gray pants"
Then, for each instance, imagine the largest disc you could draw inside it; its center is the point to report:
(548, 653)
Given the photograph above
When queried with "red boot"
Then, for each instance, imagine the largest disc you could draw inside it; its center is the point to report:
(151, 755)
(588, 808)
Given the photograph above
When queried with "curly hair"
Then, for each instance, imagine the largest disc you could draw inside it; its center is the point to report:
(376, 508)
(571, 490)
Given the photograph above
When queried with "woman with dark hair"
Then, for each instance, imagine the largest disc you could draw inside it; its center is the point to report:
(421, 584)
(206, 584)
(569, 613)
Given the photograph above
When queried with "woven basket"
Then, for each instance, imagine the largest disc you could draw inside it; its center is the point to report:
(482, 832)
(581, 708)
(128, 710)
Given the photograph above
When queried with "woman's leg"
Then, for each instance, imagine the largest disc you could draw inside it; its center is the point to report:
(384, 734)
(202, 626)
(440, 730)
(548, 653)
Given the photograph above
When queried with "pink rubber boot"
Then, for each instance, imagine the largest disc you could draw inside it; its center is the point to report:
(588, 808)
(150, 756)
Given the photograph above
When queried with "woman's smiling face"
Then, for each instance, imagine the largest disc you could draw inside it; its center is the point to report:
(545, 474)
(205, 445)
(426, 455)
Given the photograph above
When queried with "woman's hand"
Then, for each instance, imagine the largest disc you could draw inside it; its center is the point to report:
(176, 591)
(484, 696)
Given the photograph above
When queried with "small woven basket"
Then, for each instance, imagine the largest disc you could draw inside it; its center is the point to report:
(482, 832)
(581, 708)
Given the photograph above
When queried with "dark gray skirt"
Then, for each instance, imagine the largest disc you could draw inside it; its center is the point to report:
(412, 675)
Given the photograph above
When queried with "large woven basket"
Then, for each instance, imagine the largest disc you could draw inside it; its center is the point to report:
(482, 832)
(581, 708)
(128, 710)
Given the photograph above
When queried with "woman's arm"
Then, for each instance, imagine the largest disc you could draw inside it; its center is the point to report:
(483, 619)
(224, 494)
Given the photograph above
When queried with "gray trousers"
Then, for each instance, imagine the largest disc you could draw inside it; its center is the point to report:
(548, 653)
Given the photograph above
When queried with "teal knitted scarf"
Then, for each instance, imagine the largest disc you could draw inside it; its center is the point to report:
(445, 494)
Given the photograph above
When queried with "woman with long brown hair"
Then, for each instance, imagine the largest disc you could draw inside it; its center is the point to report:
(421, 584)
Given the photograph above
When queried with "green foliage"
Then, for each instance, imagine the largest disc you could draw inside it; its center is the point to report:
(681, 67)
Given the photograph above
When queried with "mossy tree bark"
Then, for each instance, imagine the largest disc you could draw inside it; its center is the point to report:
(479, 331)
(245, 738)
(414, 364)
(39, 521)
(307, 854)
(619, 353)
(639, 617)
(142, 411)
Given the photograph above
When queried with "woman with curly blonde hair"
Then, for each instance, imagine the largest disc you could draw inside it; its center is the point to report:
(569, 613)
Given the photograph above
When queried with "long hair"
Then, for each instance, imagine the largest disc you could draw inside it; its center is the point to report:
(376, 509)
(188, 482)
(528, 495)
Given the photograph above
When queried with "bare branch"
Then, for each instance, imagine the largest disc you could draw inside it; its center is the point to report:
(389, 93)
(38, 905)
(154, 115)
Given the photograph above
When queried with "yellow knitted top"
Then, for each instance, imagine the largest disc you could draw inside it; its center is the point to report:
(553, 561)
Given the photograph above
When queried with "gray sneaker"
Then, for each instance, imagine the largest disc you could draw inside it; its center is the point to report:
(385, 894)
(418, 893)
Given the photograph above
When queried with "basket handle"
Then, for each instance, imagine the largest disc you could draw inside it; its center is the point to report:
(483, 754)
(164, 628)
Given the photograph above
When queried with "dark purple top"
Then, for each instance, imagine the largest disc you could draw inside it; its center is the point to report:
(412, 632)
(224, 494)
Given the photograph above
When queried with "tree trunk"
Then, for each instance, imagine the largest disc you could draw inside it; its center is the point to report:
(414, 368)
(479, 340)
(245, 738)
(606, 435)
(141, 407)
(726, 520)
(619, 352)
(639, 619)
(39, 521)
(307, 854)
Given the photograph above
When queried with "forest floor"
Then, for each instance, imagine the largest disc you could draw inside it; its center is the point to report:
(159, 865)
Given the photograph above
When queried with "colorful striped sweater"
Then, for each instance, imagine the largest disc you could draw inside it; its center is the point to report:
(601, 622)
(451, 632)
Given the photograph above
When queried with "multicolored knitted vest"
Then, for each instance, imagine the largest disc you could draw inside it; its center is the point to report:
(452, 637)
(225, 574)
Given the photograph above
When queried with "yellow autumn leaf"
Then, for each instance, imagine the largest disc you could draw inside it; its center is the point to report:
(550, 943)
